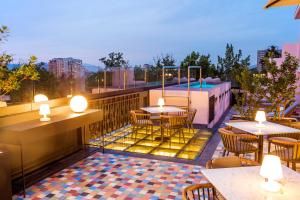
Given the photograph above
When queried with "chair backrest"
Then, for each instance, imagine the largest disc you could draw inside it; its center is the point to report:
(234, 142)
(224, 162)
(199, 191)
(191, 115)
(133, 117)
(177, 120)
(296, 153)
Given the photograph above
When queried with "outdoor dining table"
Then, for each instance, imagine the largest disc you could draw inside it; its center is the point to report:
(268, 128)
(245, 183)
(162, 110)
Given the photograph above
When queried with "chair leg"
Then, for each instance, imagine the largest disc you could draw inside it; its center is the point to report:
(224, 152)
(294, 166)
(227, 153)
(152, 132)
(183, 135)
(256, 156)
(287, 163)
(269, 147)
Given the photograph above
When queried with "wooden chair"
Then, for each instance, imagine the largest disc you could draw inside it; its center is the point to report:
(238, 143)
(288, 149)
(191, 113)
(230, 161)
(204, 191)
(174, 124)
(141, 120)
(275, 137)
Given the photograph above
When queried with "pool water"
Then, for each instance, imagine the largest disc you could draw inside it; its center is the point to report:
(197, 85)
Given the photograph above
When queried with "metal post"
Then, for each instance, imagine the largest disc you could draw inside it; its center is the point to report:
(105, 79)
(124, 78)
(99, 80)
(200, 77)
(163, 82)
(179, 75)
(189, 76)
(145, 76)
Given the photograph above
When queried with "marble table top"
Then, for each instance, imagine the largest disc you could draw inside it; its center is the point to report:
(245, 183)
(268, 128)
(165, 109)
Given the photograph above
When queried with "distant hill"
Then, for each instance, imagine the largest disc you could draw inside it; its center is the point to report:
(91, 68)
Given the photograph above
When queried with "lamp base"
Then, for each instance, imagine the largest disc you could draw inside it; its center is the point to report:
(271, 186)
(44, 119)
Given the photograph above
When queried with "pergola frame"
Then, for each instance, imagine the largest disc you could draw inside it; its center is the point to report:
(163, 84)
(163, 77)
(189, 76)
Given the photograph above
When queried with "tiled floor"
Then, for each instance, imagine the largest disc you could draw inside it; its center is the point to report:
(107, 176)
(143, 143)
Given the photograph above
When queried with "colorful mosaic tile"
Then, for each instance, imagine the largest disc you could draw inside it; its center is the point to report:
(111, 177)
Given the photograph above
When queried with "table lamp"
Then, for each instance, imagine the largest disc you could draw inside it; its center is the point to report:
(260, 118)
(44, 110)
(161, 102)
(78, 104)
(271, 170)
(40, 98)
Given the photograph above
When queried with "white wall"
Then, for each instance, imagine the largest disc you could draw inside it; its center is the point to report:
(199, 100)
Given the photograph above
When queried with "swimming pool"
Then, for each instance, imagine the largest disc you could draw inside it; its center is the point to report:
(197, 85)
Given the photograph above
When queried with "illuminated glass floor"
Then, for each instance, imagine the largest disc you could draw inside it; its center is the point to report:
(125, 140)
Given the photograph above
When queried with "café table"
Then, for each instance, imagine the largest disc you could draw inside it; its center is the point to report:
(245, 183)
(267, 129)
(162, 110)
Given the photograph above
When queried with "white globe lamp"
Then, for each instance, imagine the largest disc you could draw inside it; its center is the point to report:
(78, 104)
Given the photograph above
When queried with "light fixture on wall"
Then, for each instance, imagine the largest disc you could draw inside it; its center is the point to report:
(161, 102)
(78, 104)
(44, 111)
(260, 118)
(271, 170)
(40, 98)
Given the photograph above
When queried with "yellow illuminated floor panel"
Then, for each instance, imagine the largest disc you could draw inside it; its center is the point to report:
(140, 149)
(172, 145)
(149, 143)
(125, 140)
(165, 152)
(192, 147)
(117, 146)
(188, 155)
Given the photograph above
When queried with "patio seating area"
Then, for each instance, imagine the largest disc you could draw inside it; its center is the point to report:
(143, 100)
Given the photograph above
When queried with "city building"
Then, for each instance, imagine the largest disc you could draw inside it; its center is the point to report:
(69, 68)
(261, 54)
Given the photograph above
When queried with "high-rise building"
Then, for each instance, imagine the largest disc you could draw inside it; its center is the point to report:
(260, 55)
(69, 68)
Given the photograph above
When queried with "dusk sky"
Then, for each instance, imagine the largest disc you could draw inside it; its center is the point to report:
(142, 29)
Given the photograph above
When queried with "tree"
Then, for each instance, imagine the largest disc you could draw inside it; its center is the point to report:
(252, 92)
(11, 80)
(196, 59)
(159, 62)
(280, 82)
(114, 60)
(232, 64)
